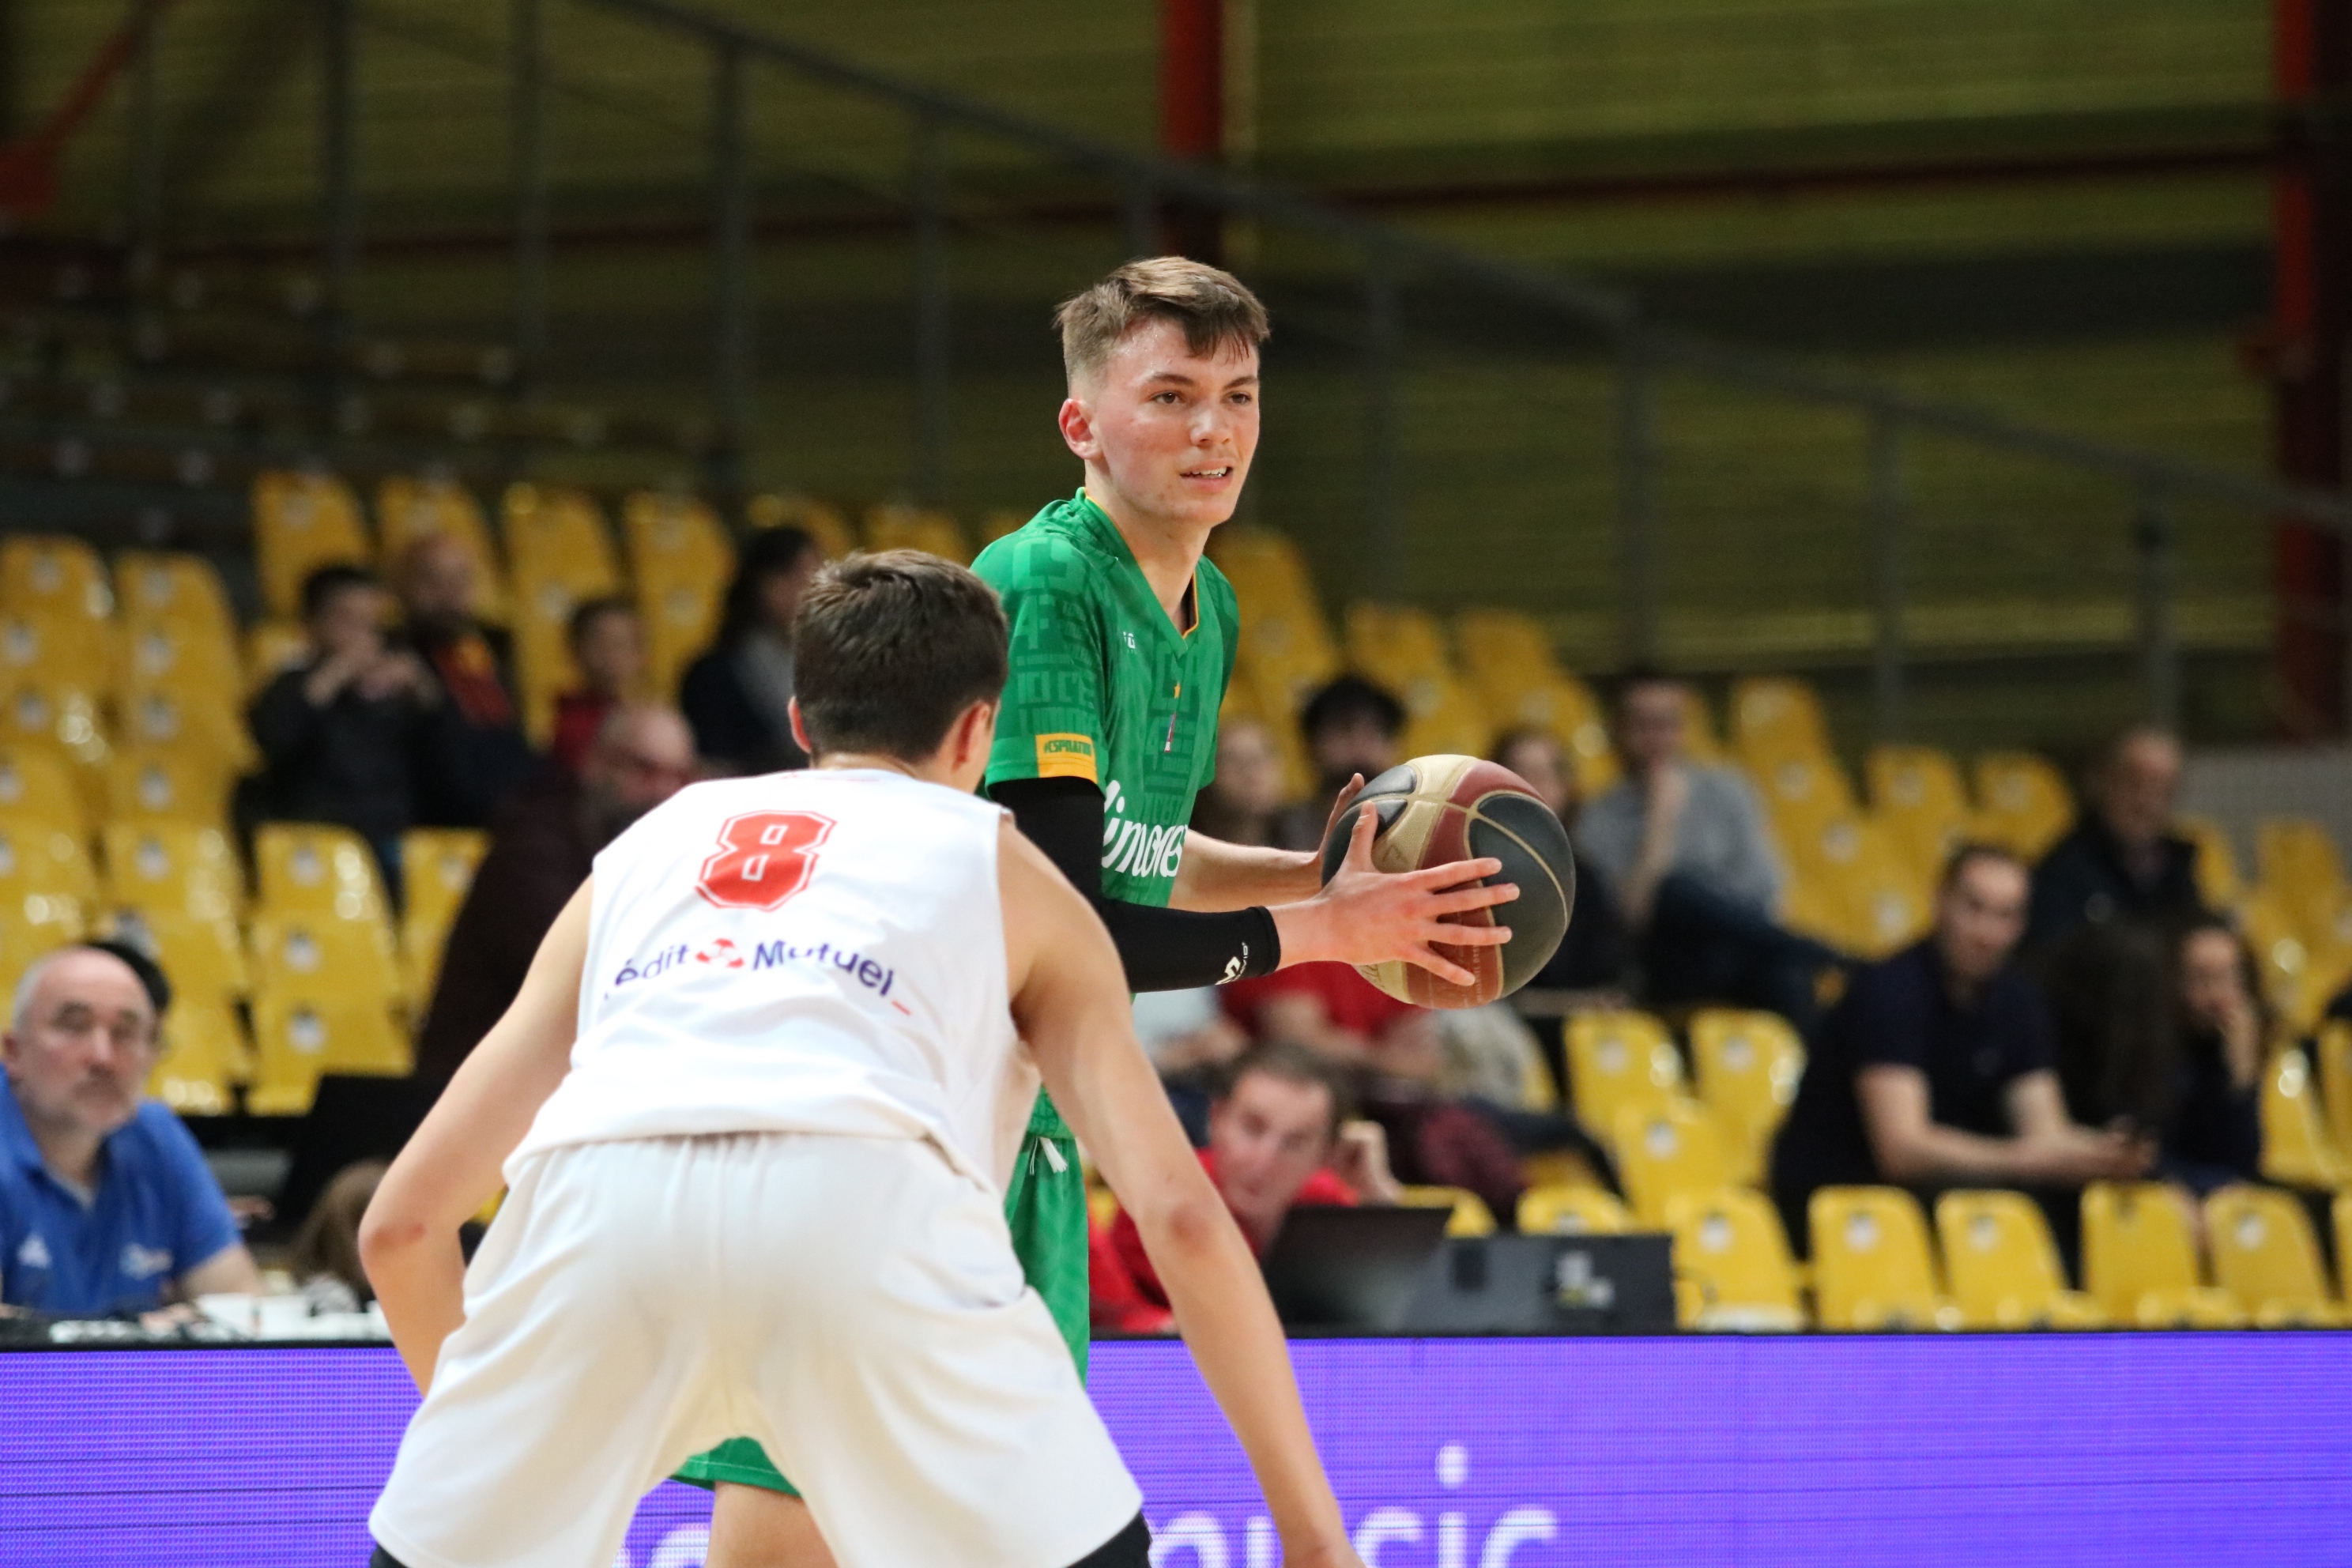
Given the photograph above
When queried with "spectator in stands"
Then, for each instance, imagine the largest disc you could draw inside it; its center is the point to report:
(1352, 728)
(326, 1252)
(357, 732)
(106, 1204)
(440, 599)
(608, 647)
(1596, 956)
(1243, 804)
(2210, 1133)
(1397, 1054)
(1933, 1071)
(2121, 862)
(1279, 1136)
(1685, 850)
(541, 853)
(738, 694)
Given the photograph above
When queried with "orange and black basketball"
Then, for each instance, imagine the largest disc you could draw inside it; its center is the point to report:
(1436, 810)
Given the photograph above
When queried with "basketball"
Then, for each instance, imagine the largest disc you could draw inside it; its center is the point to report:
(1435, 810)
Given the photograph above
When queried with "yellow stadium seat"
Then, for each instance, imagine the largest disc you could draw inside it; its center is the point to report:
(60, 716)
(2022, 801)
(2302, 872)
(1267, 569)
(161, 866)
(2217, 882)
(187, 717)
(1289, 653)
(1565, 709)
(436, 868)
(2333, 1046)
(409, 510)
(1872, 1266)
(167, 784)
(681, 560)
(204, 956)
(1777, 716)
(2341, 1211)
(895, 527)
(1619, 1059)
(271, 648)
(1872, 900)
(2003, 1265)
(2265, 1255)
(172, 588)
(204, 1055)
(27, 933)
(2296, 1149)
(2295, 984)
(1804, 793)
(1572, 1211)
(1916, 792)
(311, 867)
(562, 558)
(2139, 1259)
(1666, 1150)
(814, 518)
(55, 651)
(1731, 1261)
(295, 1039)
(1470, 1216)
(314, 954)
(45, 872)
(37, 785)
(301, 523)
(1749, 1066)
(184, 654)
(1102, 1207)
(46, 574)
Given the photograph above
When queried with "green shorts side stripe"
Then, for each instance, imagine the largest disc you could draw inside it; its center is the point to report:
(1045, 1207)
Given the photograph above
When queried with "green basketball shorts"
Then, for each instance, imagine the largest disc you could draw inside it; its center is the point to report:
(1045, 1207)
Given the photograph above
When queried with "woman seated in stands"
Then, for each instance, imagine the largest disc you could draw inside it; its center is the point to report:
(738, 694)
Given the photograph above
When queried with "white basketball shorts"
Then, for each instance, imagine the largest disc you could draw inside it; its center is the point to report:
(853, 1303)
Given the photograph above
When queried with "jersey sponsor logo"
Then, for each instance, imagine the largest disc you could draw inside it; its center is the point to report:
(856, 966)
(1067, 757)
(725, 953)
(144, 1262)
(34, 1253)
(1138, 848)
(662, 963)
(722, 953)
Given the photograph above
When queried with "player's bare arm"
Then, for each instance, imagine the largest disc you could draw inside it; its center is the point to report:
(1069, 998)
(408, 1240)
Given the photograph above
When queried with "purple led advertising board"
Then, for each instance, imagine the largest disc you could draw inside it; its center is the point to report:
(1966, 1450)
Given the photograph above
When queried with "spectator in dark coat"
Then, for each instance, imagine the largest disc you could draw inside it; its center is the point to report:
(1352, 729)
(489, 759)
(2210, 1133)
(357, 733)
(737, 694)
(2120, 862)
(543, 851)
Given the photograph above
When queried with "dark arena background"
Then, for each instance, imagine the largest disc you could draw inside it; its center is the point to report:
(1883, 428)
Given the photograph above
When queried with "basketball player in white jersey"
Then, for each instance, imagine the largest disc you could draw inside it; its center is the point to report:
(755, 1106)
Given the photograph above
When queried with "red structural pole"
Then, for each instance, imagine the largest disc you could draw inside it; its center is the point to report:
(2311, 315)
(1192, 112)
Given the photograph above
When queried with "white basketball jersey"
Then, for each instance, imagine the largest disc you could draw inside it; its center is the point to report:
(818, 951)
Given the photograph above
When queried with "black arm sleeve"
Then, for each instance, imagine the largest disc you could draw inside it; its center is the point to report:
(1162, 950)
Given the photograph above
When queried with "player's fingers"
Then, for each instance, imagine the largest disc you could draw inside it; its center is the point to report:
(1445, 969)
(1457, 935)
(1453, 873)
(1360, 841)
(1486, 896)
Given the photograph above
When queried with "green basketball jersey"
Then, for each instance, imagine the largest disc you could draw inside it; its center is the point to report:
(1105, 687)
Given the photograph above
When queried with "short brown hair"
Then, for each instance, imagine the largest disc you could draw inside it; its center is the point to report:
(1969, 851)
(1216, 311)
(1292, 1063)
(888, 648)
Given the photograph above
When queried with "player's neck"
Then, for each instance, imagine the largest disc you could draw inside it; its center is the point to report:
(1167, 550)
(929, 771)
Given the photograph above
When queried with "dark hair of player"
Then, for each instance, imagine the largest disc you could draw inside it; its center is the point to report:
(1218, 313)
(1292, 1063)
(327, 581)
(888, 648)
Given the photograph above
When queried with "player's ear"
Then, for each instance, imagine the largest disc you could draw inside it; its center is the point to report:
(1078, 422)
(800, 730)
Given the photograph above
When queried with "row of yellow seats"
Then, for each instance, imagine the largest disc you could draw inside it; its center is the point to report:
(296, 1038)
(1624, 1072)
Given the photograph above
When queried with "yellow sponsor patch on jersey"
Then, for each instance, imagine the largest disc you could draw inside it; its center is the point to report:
(1067, 757)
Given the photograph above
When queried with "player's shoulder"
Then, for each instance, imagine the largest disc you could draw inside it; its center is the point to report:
(1058, 551)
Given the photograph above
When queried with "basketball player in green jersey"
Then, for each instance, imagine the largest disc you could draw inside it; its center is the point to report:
(1122, 639)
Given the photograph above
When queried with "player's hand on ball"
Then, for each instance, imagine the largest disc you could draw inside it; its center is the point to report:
(1377, 917)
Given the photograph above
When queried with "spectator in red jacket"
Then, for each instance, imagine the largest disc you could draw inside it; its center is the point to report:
(1279, 1136)
(608, 646)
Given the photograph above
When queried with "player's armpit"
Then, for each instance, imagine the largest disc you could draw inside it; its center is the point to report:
(408, 1240)
(1070, 1002)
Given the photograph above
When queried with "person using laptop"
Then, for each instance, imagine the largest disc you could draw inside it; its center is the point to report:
(1280, 1135)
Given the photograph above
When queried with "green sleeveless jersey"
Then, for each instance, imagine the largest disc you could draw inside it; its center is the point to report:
(1105, 687)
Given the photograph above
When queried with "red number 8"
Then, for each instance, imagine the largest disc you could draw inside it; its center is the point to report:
(764, 858)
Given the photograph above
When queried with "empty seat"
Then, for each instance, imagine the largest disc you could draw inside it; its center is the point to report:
(2139, 1259)
(1618, 1060)
(1571, 1210)
(1666, 1150)
(1773, 717)
(204, 955)
(1916, 791)
(174, 589)
(1804, 793)
(2021, 801)
(1267, 570)
(301, 523)
(926, 528)
(436, 868)
(310, 868)
(411, 511)
(271, 648)
(53, 575)
(562, 559)
(821, 522)
(2335, 1049)
(1872, 1266)
(311, 955)
(55, 652)
(204, 1053)
(681, 560)
(295, 1039)
(2264, 1254)
(2299, 868)
(1870, 899)
(2296, 1148)
(2217, 882)
(60, 716)
(162, 783)
(30, 930)
(1732, 1268)
(37, 785)
(1469, 1214)
(46, 873)
(1748, 1065)
(2003, 1266)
